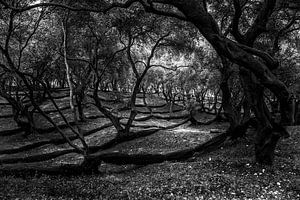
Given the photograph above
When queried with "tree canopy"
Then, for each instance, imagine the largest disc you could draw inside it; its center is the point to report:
(236, 59)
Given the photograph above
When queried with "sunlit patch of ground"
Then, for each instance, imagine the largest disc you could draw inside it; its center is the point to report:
(165, 141)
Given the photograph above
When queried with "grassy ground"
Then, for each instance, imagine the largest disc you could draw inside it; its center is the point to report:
(227, 173)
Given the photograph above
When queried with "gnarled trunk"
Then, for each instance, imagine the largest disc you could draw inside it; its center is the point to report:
(266, 137)
(195, 12)
(229, 112)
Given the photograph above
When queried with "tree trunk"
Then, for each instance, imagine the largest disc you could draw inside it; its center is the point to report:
(240, 54)
(297, 112)
(266, 138)
(80, 106)
(79, 97)
(229, 112)
(288, 118)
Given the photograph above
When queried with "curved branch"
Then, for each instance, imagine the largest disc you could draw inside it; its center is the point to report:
(235, 21)
(260, 23)
(148, 158)
(35, 28)
(269, 60)
(81, 9)
(55, 141)
(150, 8)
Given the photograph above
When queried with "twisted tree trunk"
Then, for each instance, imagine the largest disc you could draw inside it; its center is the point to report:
(242, 55)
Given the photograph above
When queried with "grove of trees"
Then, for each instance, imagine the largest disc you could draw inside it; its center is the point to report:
(236, 59)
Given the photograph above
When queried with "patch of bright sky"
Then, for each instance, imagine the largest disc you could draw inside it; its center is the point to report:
(168, 58)
(163, 57)
(37, 2)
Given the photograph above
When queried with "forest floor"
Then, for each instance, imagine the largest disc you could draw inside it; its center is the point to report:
(226, 173)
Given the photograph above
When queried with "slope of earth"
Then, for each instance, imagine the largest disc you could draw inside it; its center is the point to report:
(227, 173)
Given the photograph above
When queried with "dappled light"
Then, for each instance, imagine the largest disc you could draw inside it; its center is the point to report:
(149, 99)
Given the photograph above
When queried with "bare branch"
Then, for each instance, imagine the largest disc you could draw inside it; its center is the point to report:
(154, 48)
(259, 25)
(36, 26)
(132, 63)
(175, 68)
(71, 8)
(142, 62)
(109, 62)
(68, 74)
(269, 60)
(10, 30)
(127, 4)
(151, 9)
(79, 60)
(235, 21)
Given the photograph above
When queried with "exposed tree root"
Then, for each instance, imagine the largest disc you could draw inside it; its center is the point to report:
(44, 130)
(151, 106)
(160, 112)
(11, 132)
(120, 140)
(36, 158)
(144, 159)
(161, 117)
(122, 159)
(159, 127)
(133, 136)
(92, 149)
(55, 141)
